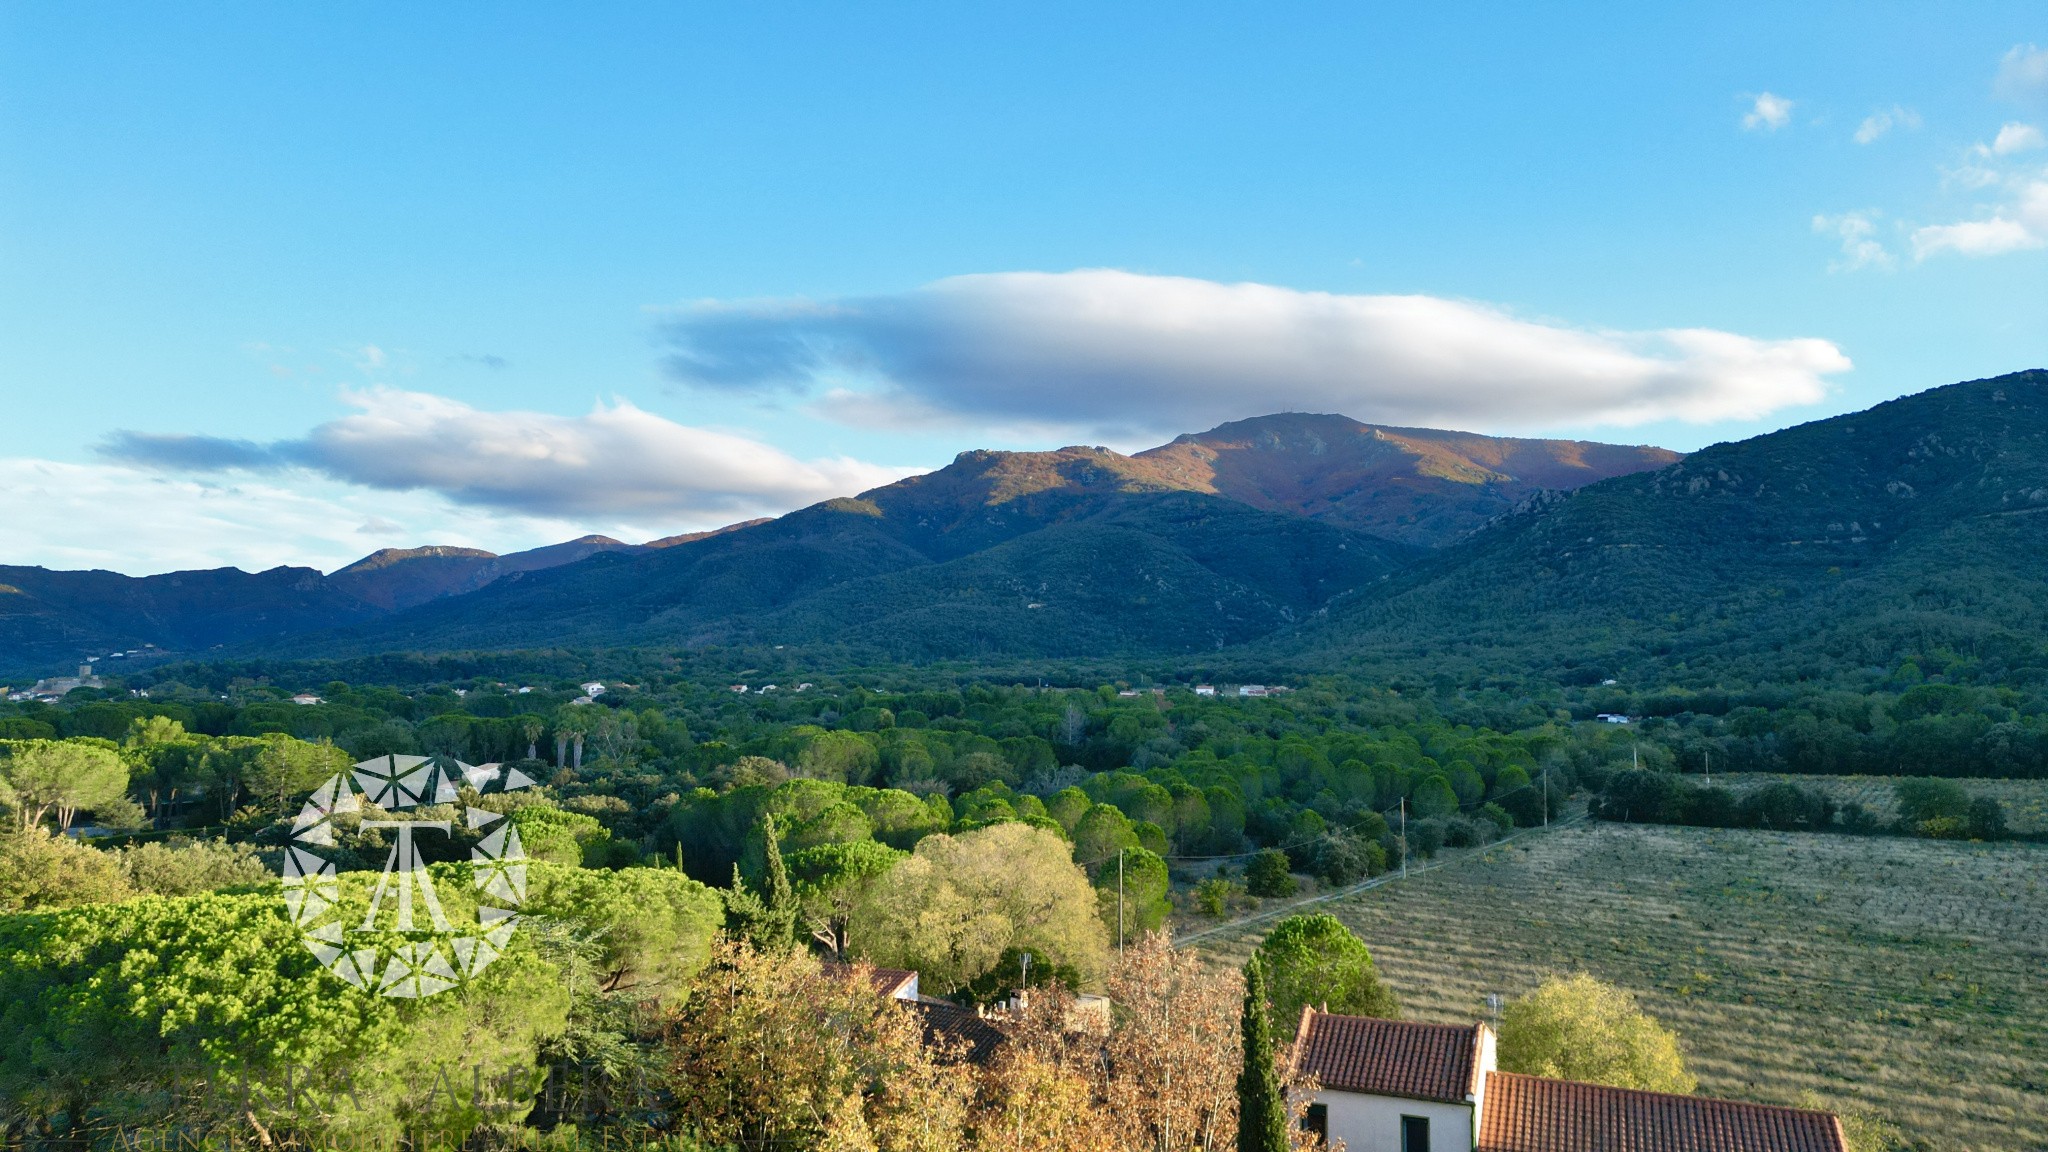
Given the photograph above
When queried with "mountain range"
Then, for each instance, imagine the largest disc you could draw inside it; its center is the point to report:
(1290, 540)
(1212, 540)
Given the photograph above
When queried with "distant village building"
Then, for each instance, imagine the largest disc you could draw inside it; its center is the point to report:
(55, 687)
(593, 689)
(307, 698)
(1244, 690)
(1394, 1086)
(1616, 718)
(1205, 689)
(739, 688)
(582, 700)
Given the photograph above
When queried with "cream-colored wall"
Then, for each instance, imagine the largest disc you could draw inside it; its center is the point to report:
(1373, 1123)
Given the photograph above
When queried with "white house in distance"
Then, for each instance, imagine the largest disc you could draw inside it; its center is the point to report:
(1393, 1086)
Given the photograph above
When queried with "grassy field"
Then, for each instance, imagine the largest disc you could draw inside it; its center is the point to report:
(2026, 801)
(1906, 975)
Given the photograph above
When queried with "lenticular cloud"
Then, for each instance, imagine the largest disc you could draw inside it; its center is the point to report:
(1128, 353)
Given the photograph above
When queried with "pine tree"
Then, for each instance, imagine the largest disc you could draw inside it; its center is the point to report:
(1261, 1103)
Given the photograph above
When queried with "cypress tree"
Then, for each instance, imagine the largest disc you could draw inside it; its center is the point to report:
(1261, 1104)
(780, 929)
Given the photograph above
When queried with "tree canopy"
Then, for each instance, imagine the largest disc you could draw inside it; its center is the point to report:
(1578, 1028)
(1315, 960)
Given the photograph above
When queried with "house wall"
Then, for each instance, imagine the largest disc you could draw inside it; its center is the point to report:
(1373, 1123)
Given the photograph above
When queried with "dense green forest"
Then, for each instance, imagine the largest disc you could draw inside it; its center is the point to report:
(689, 827)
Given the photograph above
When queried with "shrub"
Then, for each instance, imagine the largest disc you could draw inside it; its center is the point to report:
(1987, 819)
(1926, 799)
(187, 868)
(1212, 896)
(1344, 858)
(1467, 832)
(1269, 874)
(1425, 837)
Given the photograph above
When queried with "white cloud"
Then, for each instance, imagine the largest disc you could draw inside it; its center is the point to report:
(2016, 226)
(1857, 232)
(409, 468)
(1878, 123)
(2023, 73)
(139, 521)
(616, 461)
(1123, 356)
(2016, 137)
(1769, 112)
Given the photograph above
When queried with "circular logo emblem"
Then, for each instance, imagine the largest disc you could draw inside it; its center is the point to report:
(406, 945)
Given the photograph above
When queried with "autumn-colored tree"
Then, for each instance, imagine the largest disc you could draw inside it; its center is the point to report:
(1172, 1060)
(771, 1050)
(1039, 1094)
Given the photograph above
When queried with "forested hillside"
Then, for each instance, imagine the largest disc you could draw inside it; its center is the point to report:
(1077, 552)
(1833, 551)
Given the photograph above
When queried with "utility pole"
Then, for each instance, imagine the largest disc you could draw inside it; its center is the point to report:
(1546, 795)
(1119, 902)
(1709, 754)
(1404, 837)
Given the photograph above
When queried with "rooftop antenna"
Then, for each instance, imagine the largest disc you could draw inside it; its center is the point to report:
(1494, 1002)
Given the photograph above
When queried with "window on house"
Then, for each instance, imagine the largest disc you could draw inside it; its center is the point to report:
(1414, 1134)
(1317, 1120)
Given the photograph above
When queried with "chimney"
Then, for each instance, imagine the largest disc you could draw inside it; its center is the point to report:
(85, 671)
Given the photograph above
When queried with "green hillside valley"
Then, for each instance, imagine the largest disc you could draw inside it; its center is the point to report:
(916, 577)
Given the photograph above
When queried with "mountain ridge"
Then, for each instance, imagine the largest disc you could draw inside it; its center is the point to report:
(1126, 534)
(1915, 526)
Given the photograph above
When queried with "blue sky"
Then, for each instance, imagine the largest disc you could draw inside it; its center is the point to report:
(284, 284)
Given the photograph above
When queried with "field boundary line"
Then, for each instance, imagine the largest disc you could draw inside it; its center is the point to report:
(1365, 885)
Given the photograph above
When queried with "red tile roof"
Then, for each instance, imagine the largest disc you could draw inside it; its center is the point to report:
(892, 981)
(961, 1033)
(1389, 1057)
(885, 981)
(1533, 1114)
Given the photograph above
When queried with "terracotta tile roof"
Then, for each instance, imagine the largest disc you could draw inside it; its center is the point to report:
(1533, 1114)
(1388, 1057)
(886, 981)
(973, 1039)
(892, 981)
